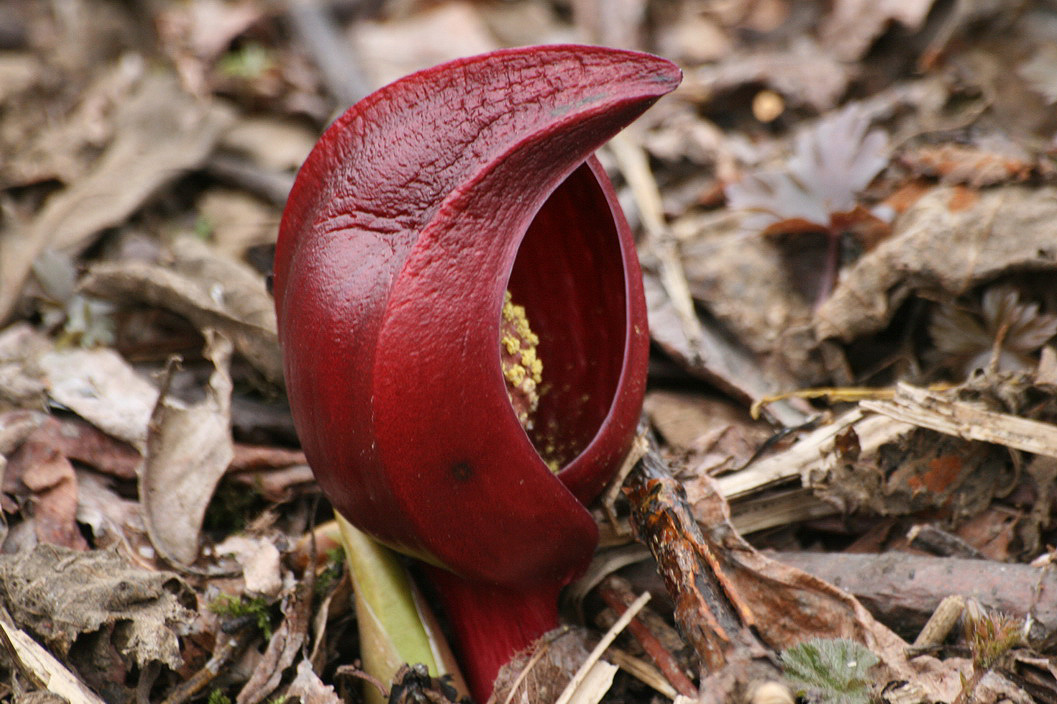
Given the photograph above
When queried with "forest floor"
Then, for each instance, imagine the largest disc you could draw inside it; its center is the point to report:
(847, 220)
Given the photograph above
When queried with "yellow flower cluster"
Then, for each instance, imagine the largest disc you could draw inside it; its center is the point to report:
(522, 368)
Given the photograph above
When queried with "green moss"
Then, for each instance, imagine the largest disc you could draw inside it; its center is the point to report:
(332, 573)
(238, 607)
(218, 697)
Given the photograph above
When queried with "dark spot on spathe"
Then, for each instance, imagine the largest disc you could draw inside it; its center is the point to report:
(462, 471)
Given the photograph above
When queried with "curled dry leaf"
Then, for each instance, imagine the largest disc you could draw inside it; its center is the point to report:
(60, 595)
(206, 288)
(804, 74)
(853, 25)
(989, 160)
(101, 387)
(40, 472)
(309, 688)
(283, 648)
(1041, 73)
(259, 559)
(188, 451)
(112, 519)
(782, 604)
(1004, 331)
(20, 385)
(395, 48)
(161, 133)
(939, 245)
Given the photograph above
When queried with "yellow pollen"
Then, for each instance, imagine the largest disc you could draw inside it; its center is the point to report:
(522, 368)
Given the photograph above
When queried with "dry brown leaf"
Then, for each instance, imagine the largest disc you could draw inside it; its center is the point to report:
(16, 426)
(853, 25)
(278, 485)
(20, 383)
(46, 669)
(161, 132)
(188, 451)
(209, 290)
(744, 282)
(237, 221)
(112, 519)
(989, 160)
(60, 594)
(789, 606)
(804, 74)
(75, 439)
(309, 688)
(49, 478)
(935, 246)
(282, 650)
(1041, 73)
(393, 48)
(541, 673)
(716, 358)
(719, 434)
(259, 559)
(41, 150)
(271, 143)
(693, 37)
(101, 387)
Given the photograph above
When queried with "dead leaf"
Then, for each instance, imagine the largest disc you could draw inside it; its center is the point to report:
(399, 46)
(541, 673)
(195, 34)
(933, 247)
(693, 37)
(46, 668)
(853, 25)
(52, 489)
(783, 605)
(113, 520)
(62, 150)
(992, 532)
(60, 595)
(237, 221)
(20, 385)
(1041, 73)
(716, 358)
(282, 650)
(16, 426)
(101, 387)
(989, 160)
(719, 434)
(188, 451)
(309, 688)
(259, 559)
(804, 74)
(161, 132)
(278, 485)
(273, 144)
(209, 290)
(743, 281)
(77, 440)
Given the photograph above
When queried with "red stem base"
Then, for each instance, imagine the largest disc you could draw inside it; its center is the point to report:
(491, 624)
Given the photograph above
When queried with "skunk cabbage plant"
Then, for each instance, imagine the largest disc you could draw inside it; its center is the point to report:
(463, 326)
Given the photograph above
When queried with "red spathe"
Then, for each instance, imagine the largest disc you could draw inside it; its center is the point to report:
(415, 212)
